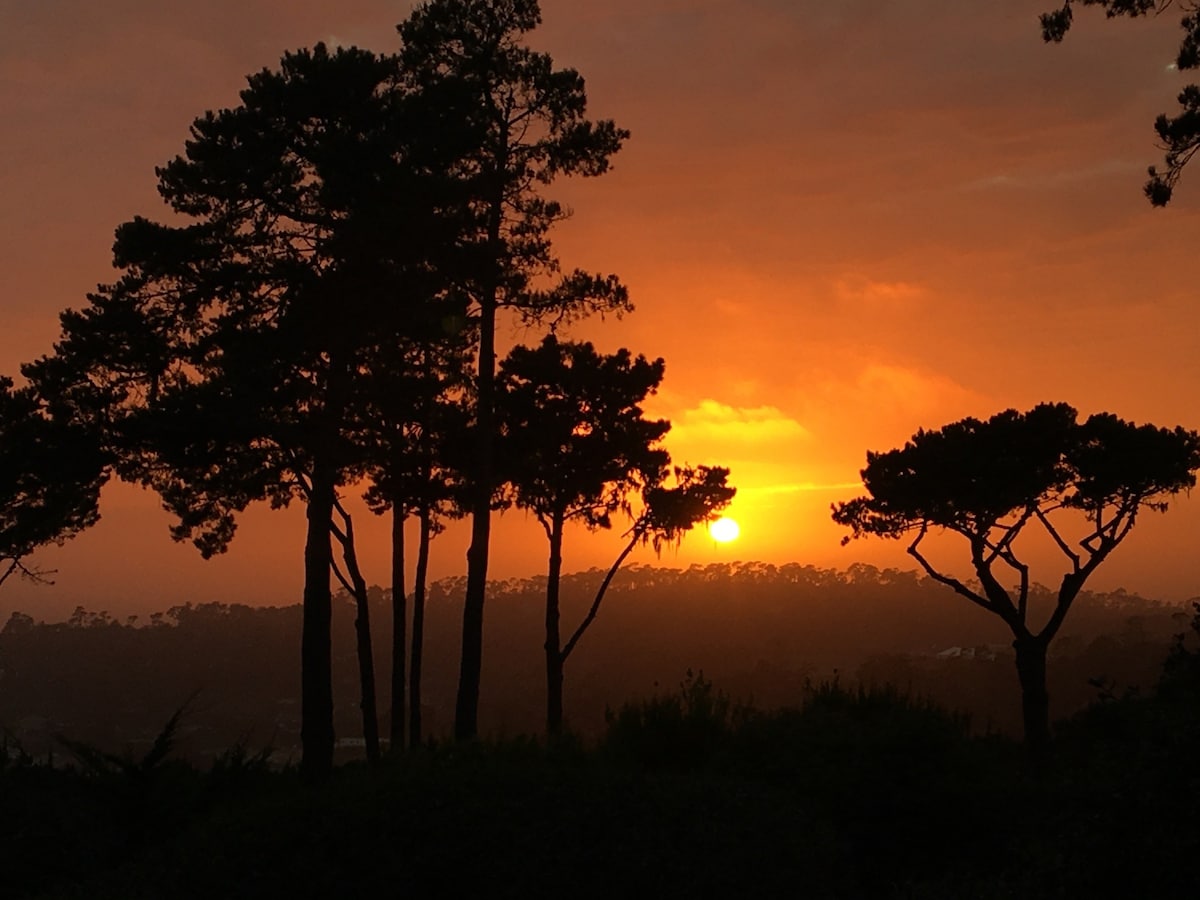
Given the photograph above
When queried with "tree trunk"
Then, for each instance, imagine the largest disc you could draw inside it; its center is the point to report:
(366, 671)
(366, 654)
(466, 714)
(554, 657)
(418, 629)
(316, 677)
(399, 635)
(1035, 701)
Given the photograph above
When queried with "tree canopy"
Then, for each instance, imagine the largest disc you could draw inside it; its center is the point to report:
(575, 439)
(51, 470)
(971, 476)
(1179, 134)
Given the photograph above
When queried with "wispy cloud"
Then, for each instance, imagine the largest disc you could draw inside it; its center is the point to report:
(713, 422)
(861, 290)
(802, 487)
(1048, 180)
(899, 388)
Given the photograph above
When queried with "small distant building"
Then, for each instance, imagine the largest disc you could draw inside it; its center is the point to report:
(980, 652)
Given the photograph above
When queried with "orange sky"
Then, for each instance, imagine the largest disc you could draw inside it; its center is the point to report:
(839, 222)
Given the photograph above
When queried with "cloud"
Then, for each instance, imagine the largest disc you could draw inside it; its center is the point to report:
(715, 423)
(1061, 178)
(802, 487)
(897, 388)
(762, 446)
(861, 290)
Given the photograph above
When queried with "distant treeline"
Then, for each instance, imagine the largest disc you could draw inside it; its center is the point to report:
(760, 632)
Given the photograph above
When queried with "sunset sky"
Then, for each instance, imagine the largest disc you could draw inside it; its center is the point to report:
(838, 221)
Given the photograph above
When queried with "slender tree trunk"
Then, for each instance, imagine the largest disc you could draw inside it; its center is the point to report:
(553, 647)
(466, 716)
(399, 628)
(367, 705)
(1035, 701)
(366, 672)
(418, 629)
(316, 678)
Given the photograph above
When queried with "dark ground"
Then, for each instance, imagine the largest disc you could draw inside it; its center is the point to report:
(861, 793)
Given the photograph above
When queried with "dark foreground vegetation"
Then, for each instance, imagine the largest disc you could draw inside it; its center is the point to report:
(853, 793)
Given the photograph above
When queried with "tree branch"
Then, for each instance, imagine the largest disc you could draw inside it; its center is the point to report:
(595, 608)
(1005, 545)
(1000, 602)
(302, 480)
(937, 576)
(1023, 598)
(1062, 545)
(1106, 536)
(340, 577)
(37, 576)
(1119, 535)
(13, 566)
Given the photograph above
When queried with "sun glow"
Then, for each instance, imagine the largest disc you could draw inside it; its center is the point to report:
(724, 530)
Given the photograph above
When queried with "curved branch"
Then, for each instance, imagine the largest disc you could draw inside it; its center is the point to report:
(340, 577)
(937, 576)
(1023, 569)
(595, 608)
(37, 576)
(1004, 545)
(1000, 601)
(1062, 545)
(1119, 534)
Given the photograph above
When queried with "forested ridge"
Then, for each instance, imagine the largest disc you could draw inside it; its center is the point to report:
(759, 632)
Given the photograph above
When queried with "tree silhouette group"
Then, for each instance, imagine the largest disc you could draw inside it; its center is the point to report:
(320, 313)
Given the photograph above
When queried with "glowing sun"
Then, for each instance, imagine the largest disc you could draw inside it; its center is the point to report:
(724, 530)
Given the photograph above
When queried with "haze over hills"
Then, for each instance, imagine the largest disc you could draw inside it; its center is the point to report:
(761, 633)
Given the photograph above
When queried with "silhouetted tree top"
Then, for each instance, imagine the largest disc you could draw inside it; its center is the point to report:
(1179, 134)
(672, 510)
(529, 126)
(576, 441)
(416, 413)
(308, 238)
(969, 475)
(51, 470)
